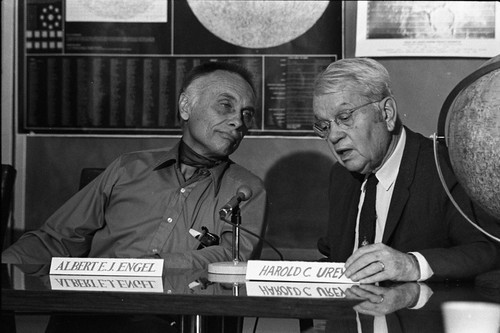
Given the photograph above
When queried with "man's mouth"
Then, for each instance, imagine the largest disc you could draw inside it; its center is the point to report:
(343, 152)
(232, 137)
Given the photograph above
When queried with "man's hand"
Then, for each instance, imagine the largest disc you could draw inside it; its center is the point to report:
(381, 301)
(378, 262)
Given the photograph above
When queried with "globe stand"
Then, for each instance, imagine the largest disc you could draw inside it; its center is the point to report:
(235, 267)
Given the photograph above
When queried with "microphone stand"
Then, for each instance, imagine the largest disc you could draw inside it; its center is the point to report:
(236, 220)
(234, 270)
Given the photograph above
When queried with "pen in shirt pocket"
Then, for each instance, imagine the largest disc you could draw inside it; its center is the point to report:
(205, 237)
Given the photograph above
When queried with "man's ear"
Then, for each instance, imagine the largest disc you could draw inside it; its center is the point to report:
(390, 112)
(184, 107)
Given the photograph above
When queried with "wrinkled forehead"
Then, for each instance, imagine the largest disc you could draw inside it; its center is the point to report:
(323, 105)
(223, 82)
(330, 103)
(340, 87)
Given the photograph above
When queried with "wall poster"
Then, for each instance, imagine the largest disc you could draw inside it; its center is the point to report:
(428, 29)
(115, 67)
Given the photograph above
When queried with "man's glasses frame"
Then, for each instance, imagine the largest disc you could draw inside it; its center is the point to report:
(342, 119)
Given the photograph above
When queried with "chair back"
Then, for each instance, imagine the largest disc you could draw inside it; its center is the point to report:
(8, 176)
(87, 175)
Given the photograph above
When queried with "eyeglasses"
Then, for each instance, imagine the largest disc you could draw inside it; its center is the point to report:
(343, 119)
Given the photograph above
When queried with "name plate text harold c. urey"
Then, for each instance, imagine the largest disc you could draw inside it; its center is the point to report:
(299, 271)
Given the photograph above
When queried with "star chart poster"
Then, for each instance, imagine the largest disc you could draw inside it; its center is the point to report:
(115, 66)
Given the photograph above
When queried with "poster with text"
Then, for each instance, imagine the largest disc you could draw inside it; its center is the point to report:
(428, 29)
(116, 67)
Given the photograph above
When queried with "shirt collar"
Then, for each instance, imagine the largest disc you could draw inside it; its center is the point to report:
(387, 174)
(171, 157)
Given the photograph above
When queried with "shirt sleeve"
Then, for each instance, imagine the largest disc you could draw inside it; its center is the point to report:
(426, 271)
(69, 231)
(423, 296)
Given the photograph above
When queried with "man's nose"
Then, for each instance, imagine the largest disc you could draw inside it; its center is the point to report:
(236, 120)
(335, 133)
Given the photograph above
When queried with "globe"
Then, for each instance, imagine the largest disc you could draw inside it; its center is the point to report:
(473, 136)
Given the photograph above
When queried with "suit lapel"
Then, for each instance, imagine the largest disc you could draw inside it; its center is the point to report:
(403, 181)
(349, 215)
(344, 198)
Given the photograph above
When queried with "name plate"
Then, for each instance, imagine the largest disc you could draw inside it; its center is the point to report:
(152, 284)
(298, 271)
(296, 289)
(106, 266)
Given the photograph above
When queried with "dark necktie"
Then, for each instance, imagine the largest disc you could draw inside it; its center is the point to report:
(368, 214)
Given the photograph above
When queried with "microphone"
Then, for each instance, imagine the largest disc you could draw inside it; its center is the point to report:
(234, 267)
(242, 194)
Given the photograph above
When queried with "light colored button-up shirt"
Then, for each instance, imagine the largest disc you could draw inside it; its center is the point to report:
(141, 206)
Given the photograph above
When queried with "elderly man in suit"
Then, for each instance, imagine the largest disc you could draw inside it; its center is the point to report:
(390, 218)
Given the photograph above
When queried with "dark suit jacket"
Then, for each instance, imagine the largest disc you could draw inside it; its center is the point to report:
(421, 217)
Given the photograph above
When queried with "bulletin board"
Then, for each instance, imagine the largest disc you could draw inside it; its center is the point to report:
(115, 67)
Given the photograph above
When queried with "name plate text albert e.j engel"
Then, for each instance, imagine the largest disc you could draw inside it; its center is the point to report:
(299, 271)
(106, 266)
